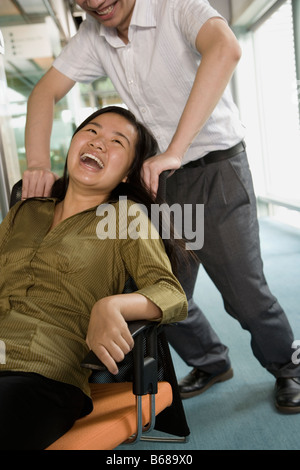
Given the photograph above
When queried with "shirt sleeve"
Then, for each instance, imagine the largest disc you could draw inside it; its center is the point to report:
(145, 258)
(77, 59)
(191, 15)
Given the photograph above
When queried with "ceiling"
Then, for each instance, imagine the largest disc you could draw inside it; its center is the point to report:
(56, 21)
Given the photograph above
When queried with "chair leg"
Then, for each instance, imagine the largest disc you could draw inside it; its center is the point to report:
(178, 440)
(151, 424)
(139, 416)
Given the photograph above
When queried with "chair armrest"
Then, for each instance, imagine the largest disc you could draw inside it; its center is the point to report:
(16, 193)
(143, 357)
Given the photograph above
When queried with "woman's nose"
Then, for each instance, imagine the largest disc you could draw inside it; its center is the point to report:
(98, 144)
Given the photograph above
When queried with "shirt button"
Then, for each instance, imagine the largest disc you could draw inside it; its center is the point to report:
(144, 110)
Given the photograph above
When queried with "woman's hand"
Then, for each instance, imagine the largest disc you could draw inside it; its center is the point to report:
(108, 335)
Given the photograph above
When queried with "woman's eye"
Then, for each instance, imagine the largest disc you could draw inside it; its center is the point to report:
(118, 142)
(92, 130)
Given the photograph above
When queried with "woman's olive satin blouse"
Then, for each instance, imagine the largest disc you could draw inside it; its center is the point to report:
(50, 280)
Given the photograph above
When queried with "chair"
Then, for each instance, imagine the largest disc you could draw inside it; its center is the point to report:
(143, 396)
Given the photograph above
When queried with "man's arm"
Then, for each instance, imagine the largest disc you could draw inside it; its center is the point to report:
(38, 178)
(220, 52)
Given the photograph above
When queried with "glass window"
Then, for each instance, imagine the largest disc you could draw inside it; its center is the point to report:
(268, 92)
(277, 84)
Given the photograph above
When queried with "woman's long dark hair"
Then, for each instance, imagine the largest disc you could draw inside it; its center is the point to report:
(134, 188)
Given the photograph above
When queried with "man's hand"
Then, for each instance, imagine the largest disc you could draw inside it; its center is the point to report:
(154, 166)
(108, 335)
(37, 182)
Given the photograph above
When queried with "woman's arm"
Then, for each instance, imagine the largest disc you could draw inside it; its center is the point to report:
(108, 334)
(159, 296)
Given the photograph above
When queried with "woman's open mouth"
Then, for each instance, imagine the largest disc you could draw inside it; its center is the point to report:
(91, 161)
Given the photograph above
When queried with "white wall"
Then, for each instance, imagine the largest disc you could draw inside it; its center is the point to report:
(239, 7)
(223, 7)
(241, 12)
(245, 12)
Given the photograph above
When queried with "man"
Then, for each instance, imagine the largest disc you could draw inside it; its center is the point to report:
(171, 62)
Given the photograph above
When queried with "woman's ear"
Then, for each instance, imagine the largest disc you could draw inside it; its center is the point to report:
(124, 180)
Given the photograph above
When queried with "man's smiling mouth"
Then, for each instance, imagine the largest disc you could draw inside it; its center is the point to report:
(107, 11)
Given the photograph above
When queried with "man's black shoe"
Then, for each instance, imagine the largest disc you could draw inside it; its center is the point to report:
(287, 394)
(197, 382)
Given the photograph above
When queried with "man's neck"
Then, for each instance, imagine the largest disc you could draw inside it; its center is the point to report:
(123, 35)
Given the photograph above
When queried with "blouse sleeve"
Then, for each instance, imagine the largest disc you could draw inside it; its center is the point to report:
(145, 258)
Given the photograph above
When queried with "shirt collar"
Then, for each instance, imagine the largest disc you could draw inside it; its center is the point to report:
(143, 16)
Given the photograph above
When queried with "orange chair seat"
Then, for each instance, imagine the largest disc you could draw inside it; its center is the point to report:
(113, 418)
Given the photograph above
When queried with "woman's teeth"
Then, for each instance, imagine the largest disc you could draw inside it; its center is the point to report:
(92, 157)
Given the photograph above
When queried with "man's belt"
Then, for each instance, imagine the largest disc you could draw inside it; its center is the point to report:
(217, 156)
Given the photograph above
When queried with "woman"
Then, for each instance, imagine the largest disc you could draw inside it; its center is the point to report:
(61, 283)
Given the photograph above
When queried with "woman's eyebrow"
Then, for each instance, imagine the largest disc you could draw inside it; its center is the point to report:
(114, 132)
